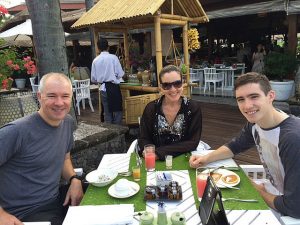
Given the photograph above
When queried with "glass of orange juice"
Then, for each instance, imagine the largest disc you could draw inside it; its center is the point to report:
(136, 173)
(149, 154)
(201, 180)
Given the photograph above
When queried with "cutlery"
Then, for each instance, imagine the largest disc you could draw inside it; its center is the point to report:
(239, 200)
(230, 187)
(125, 174)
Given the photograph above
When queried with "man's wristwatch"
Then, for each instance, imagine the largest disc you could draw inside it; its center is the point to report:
(74, 176)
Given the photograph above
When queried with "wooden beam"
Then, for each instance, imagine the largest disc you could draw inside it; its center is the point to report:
(173, 22)
(175, 17)
(172, 7)
(183, 9)
(126, 51)
(186, 54)
(202, 19)
(158, 47)
(292, 33)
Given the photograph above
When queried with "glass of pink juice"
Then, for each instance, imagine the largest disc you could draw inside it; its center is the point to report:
(149, 154)
(201, 180)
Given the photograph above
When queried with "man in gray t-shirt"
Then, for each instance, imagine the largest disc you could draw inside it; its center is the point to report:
(35, 153)
(277, 138)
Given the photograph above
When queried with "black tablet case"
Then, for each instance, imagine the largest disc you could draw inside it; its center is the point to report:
(211, 208)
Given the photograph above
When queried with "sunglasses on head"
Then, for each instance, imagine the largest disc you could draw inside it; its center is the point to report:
(168, 86)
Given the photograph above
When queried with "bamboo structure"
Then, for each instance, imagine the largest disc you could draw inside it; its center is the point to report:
(124, 15)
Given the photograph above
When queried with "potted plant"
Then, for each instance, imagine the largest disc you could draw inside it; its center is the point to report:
(280, 68)
(12, 67)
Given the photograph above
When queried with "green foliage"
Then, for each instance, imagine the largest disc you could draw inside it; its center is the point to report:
(183, 69)
(279, 66)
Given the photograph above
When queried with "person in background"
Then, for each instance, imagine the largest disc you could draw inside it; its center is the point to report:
(172, 123)
(35, 153)
(277, 138)
(107, 71)
(258, 59)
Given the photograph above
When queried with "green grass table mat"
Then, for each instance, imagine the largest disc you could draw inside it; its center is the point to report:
(99, 195)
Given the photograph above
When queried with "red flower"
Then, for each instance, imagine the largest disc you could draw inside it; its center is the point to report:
(9, 62)
(3, 10)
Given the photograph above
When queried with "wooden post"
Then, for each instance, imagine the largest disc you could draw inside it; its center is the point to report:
(186, 54)
(126, 51)
(96, 33)
(292, 33)
(158, 47)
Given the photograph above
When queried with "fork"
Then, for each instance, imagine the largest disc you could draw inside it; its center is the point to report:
(125, 174)
(239, 200)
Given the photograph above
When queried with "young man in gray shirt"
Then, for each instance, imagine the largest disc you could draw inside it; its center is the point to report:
(277, 138)
(35, 153)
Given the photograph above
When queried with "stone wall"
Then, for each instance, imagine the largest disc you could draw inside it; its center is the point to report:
(88, 151)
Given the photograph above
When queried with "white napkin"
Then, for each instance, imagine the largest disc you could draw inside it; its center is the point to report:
(223, 162)
(100, 215)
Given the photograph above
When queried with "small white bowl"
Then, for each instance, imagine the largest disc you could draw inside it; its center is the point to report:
(101, 177)
(122, 187)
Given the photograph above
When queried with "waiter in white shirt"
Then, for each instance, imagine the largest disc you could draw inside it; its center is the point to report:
(107, 71)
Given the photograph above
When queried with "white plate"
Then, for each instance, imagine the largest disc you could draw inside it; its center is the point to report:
(134, 188)
(220, 183)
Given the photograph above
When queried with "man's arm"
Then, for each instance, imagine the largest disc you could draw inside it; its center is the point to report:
(8, 219)
(268, 198)
(75, 192)
(222, 152)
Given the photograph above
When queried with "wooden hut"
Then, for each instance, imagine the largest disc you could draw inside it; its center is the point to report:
(125, 15)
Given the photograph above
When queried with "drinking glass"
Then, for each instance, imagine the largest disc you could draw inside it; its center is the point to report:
(149, 154)
(136, 173)
(201, 180)
(169, 159)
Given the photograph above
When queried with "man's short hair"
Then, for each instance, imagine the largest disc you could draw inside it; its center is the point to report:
(253, 77)
(102, 44)
(48, 75)
(168, 69)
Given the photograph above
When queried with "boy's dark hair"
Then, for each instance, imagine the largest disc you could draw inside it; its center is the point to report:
(102, 44)
(168, 69)
(253, 77)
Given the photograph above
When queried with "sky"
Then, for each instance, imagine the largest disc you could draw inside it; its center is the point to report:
(10, 3)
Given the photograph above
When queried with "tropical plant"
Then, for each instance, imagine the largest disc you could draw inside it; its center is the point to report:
(280, 66)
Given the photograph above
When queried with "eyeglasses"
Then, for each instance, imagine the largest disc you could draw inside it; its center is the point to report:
(168, 86)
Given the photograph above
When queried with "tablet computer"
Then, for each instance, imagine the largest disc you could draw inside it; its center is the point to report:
(211, 208)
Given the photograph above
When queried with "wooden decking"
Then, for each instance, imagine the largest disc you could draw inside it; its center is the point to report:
(220, 124)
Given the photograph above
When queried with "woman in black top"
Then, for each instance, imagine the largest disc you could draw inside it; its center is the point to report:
(172, 123)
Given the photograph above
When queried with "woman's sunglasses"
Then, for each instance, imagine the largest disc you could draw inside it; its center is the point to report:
(168, 86)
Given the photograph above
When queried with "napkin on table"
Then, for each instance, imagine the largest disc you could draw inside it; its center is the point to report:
(100, 215)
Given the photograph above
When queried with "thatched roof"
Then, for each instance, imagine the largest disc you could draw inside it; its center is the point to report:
(131, 12)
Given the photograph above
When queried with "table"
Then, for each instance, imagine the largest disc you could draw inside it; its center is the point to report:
(237, 213)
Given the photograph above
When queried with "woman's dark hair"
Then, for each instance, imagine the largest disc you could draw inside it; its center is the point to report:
(253, 77)
(168, 69)
(102, 44)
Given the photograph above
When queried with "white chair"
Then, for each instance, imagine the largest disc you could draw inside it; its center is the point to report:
(240, 69)
(82, 92)
(257, 172)
(35, 87)
(211, 76)
(194, 78)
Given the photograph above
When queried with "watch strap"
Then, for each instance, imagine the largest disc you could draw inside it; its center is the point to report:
(74, 176)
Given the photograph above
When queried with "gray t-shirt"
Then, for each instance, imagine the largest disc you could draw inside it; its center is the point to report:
(32, 155)
(279, 150)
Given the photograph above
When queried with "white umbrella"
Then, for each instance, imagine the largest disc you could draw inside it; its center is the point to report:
(23, 28)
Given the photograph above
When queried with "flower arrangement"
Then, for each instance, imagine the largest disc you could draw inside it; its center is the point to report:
(11, 66)
(193, 39)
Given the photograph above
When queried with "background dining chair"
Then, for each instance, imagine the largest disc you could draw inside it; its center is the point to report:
(194, 78)
(211, 76)
(240, 69)
(82, 92)
(257, 173)
(34, 87)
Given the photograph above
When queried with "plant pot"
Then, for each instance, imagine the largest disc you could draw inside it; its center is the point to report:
(283, 89)
(20, 83)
